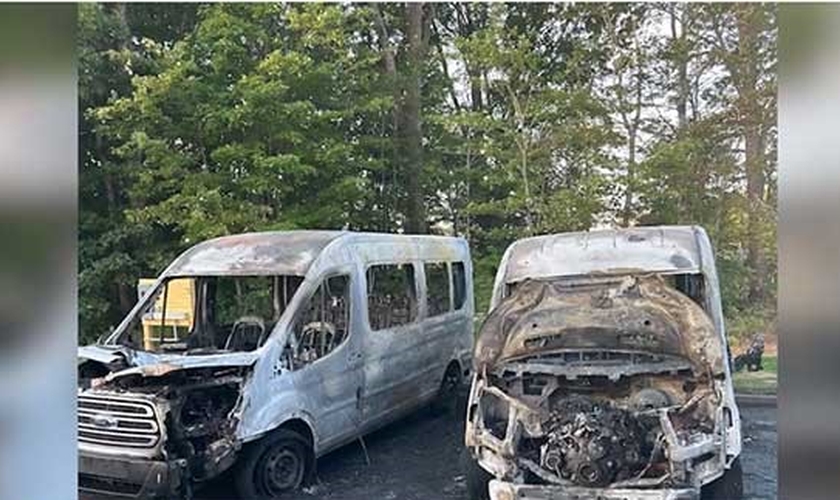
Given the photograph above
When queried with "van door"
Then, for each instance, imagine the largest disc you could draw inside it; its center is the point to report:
(443, 328)
(324, 351)
(394, 364)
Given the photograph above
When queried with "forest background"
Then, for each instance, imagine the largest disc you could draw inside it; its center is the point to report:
(488, 121)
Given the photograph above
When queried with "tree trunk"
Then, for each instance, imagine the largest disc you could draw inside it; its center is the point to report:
(125, 292)
(389, 60)
(523, 165)
(631, 174)
(679, 14)
(633, 125)
(125, 296)
(749, 114)
(475, 90)
(413, 139)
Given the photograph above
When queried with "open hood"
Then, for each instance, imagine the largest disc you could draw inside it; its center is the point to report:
(124, 361)
(632, 313)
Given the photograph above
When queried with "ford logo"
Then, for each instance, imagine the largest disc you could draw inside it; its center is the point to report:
(104, 422)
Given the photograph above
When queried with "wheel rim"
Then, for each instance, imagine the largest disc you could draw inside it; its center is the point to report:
(281, 471)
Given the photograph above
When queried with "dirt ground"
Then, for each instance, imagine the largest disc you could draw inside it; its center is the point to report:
(421, 458)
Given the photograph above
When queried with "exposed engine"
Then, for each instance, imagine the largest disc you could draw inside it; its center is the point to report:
(201, 428)
(599, 382)
(594, 443)
(196, 408)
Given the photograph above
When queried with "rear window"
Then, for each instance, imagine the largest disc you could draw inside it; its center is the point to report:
(391, 295)
(459, 284)
(437, 288)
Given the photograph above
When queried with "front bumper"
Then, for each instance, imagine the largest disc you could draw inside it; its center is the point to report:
(501, 490)
(122, 477)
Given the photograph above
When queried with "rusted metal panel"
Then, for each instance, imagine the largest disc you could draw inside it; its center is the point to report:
(632, 313)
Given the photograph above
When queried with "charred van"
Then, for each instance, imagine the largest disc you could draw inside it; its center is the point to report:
(601, 372)
(292, 344)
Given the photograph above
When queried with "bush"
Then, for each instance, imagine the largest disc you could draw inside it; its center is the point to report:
(741, 325)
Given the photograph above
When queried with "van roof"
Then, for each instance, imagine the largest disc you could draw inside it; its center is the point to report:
(664, 249)
(275, 252)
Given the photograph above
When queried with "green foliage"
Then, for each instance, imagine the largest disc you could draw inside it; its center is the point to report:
(203, 120)
(742, 325)
(484, 273)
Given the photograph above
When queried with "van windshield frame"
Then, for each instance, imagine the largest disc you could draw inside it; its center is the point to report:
(222, 314)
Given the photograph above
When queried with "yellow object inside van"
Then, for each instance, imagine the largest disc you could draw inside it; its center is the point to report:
(178, 320)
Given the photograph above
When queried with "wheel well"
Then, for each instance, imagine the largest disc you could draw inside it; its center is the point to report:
(457, 365)
(254, 452)
(301, 427)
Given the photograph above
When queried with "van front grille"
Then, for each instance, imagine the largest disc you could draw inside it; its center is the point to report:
(117, 421)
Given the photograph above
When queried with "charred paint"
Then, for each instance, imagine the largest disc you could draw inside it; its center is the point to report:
(601, 369)
(210, 404)
(632, 313)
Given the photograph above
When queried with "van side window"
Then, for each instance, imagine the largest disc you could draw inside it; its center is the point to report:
(692, 285)
(392, 295)
(437, 288)
(238, 296)
(459, 284)
(324, 324)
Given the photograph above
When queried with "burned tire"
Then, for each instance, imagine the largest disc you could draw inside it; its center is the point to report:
(478, 479)
(730, 486)
(274, 466)
(448, 397)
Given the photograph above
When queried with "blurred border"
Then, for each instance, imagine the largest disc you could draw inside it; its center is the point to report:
(809, 246)
(38, 171)
(38, 167)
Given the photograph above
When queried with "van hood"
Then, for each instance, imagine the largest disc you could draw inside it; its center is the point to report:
(125, 361)
(638, 313)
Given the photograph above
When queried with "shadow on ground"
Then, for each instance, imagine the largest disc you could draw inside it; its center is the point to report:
(421, 457)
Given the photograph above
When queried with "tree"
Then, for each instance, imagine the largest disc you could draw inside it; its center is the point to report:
(406, 67)
(416, 53)
(742, 38)
(491, 121)
(112, 49)
(699, 168)
(260, 117)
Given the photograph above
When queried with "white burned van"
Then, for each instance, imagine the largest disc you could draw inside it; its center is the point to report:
(601, 372)
(295, 343)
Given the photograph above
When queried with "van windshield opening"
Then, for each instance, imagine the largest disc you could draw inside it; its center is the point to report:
(691, 284)
(211, 314)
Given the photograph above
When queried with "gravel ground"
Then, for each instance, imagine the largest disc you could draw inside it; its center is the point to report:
(421, 457)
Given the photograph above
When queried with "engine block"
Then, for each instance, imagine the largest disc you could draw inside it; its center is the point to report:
(593, 443)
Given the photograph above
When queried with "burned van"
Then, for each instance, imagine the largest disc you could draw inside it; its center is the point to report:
(601, 372)
(281, 347)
